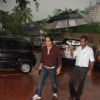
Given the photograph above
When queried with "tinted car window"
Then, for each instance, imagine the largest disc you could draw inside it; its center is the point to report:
(1, 43)
(11, 44)
(23, 45)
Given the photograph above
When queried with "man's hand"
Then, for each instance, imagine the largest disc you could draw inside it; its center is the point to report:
(89, 73)
(40, 67)
(58, 70)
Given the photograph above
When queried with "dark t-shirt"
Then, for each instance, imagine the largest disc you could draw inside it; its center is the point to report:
(53, 58)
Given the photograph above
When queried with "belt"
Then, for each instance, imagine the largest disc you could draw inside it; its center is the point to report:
(49, 67)
(81, 67)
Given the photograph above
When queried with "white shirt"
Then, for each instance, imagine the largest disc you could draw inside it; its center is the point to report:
(84, 56)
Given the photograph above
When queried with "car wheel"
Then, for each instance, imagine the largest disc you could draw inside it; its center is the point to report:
(25, 67)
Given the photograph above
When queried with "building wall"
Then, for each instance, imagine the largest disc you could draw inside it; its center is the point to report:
(94, 12)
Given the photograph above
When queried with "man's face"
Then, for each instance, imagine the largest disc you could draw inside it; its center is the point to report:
(48, 42)
(83, 42)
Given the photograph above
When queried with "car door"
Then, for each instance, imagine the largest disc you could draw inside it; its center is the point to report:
(9, 53)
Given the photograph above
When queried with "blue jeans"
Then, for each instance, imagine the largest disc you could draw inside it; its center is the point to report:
(43, 75)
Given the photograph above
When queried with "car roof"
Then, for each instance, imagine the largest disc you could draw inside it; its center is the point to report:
(13, 38)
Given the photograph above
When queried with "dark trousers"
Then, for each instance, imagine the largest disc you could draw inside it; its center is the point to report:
(77, 81)
(43, 75)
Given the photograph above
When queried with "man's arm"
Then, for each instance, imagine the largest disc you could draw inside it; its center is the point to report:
(41, 60)
(91, 65)
(73, 52)
(40, 66)
(59, 61)
(59, 58)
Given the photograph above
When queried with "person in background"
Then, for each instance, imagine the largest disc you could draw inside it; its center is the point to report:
(50, 64)
(83, 66)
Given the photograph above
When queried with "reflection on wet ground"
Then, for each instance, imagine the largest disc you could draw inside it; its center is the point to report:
(16, 86)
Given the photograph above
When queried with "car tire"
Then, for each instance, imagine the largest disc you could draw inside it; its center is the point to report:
(25, 67)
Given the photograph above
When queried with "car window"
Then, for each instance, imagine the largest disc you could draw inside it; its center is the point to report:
(10, 44)
(1, 43)
(23, 45)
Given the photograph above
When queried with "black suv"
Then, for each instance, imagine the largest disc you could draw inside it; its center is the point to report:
(16, 52)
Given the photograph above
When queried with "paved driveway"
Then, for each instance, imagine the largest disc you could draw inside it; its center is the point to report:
(17, 86)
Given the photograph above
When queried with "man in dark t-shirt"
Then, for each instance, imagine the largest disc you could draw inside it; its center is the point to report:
(50, 64)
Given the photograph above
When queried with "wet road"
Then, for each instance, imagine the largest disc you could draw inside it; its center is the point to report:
(17, 86)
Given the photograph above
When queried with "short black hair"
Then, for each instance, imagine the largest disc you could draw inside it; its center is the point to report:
(84, 37)
(50, 37)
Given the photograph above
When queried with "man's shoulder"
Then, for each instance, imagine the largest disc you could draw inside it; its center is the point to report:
(89, 48)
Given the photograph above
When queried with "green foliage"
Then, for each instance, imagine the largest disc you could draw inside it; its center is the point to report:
(23, 3)
(14, 24)
(11, 26)
(90, 28)
(55, 13)
(56, 31)
(23, 16)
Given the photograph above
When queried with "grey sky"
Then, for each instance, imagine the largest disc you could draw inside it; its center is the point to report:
(47, 6)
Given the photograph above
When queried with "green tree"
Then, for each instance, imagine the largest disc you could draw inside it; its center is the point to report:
(12, 23)
(89, 28)
(23, 16)
(55, 13)
(23, 3)
(68, 10)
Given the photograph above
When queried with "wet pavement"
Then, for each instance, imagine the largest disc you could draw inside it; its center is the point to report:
(17, 86)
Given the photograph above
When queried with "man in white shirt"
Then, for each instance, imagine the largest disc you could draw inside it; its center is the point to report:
(84, 64)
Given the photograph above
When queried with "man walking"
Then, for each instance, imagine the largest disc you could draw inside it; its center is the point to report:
(50, 64)
(83, 66)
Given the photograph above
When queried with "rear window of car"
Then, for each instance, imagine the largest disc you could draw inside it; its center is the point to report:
(1, 43)
(24, 45)
(7, 44)
(14, 44)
